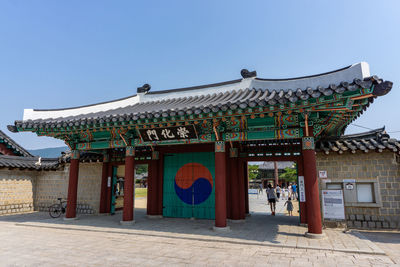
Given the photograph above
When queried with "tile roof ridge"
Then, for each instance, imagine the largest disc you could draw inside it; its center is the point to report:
(14, 145)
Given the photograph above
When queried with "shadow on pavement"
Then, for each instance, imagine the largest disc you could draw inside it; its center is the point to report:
(383, 237)
(257, 227)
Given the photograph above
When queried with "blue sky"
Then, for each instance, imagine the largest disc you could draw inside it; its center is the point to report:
(56, 54)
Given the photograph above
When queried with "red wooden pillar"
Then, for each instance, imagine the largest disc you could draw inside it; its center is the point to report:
(72, 185)
(220, 186)
(235, 187)
(311, 187)
(160, 184)
(104, 178)
(302, 205)
(242, 175)
(152, 187)
(229, 182)
(127, 216)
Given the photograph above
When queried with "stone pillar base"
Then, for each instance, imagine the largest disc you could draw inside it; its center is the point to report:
(70, 219)
(155, 216)
(127, 222)
(314, 236)
(221, 229)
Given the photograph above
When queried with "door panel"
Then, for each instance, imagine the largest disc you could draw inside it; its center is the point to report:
(189, 185)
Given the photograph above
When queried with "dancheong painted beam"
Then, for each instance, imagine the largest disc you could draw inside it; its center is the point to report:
(240, 110)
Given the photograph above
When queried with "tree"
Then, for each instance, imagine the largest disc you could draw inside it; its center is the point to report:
(142, 168)
(290, 174)
(253, 171)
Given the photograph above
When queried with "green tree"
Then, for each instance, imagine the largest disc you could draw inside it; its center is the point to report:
(253, 172)
(142, 168)
(290, 174)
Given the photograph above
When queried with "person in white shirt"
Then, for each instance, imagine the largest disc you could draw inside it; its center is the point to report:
(271, 198)
(278, 192)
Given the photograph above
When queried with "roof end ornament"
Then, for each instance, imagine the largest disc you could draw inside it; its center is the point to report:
(144, 89)
(12, 128)
(381, 87)
(248, 74)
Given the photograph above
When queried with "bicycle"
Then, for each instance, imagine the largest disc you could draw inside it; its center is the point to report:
(55, 210)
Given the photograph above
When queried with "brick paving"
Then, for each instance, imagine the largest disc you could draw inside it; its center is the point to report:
(36, 240)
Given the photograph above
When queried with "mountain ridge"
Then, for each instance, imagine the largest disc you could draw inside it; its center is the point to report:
(51, 152)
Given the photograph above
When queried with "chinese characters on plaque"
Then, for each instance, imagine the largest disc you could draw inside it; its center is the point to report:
(168, 133)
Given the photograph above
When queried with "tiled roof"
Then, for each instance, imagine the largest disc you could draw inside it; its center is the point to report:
(28, 163)
(18, 150)
(269, 165)
(247, 92)
(375, 140)
(83, 157)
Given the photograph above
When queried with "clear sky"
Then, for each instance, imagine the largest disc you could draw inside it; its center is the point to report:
(56, 54)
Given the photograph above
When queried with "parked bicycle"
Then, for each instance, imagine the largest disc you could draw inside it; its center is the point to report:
(55, 210)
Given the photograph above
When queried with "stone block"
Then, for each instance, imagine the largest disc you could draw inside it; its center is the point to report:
(350, 224)
(358, 224)
(367, 217)
(374, 218)
(378, 225)
(371, 225)
(364, 224)
(385, 225)
(393, 225)
(352, 217)
(360, 217)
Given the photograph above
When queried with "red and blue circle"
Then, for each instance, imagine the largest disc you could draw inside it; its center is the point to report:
(193, 183)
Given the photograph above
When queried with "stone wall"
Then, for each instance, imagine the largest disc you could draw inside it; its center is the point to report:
(16, 190)
(378, 168)
(28, 190)
(53, 185)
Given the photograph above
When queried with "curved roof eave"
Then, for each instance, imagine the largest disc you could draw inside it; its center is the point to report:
(347, 74)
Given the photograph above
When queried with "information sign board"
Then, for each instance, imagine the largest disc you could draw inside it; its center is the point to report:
(323, 174)
(302, 189)
(253, 191)
(333, 205)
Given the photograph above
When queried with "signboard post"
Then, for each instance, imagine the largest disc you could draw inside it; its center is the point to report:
(333, 205)
(302, 191)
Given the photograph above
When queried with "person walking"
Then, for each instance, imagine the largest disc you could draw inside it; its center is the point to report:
(271, 198)
(284, 193)
(289, 206)
(278, 192)
(294, 191)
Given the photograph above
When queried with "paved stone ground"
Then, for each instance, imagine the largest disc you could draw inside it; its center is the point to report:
(36, 240)
(259, 204)
(389, 241)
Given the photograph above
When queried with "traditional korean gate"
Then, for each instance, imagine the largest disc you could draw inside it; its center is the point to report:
(189, 185)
